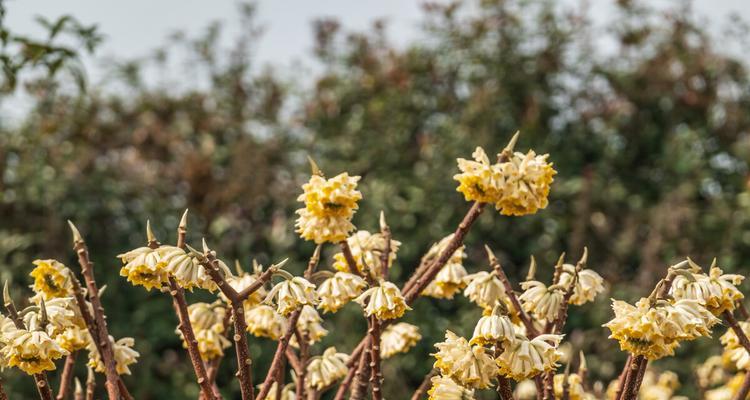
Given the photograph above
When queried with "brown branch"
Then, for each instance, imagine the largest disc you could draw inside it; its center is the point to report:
(376, 376)
(276, 363)
(359, 385)
(255, 286)
(503, 388)
(457, 241)
(347, 252)
(347, 382)
(744, 389)
(304, 355)
(498, 269)
(244, 362)
(385, 256)
(424, 386)
(90, 385)
(188, 334)
(100, 334)
(67, 376)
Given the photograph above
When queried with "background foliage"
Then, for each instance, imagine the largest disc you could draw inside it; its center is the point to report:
(649, 135)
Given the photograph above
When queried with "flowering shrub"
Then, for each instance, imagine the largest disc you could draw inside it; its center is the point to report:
(519, 340)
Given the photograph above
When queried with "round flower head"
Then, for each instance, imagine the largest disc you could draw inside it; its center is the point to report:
(659, 387)
(328, 368)
(366, 248)
(541, 301)
(479, 180)
(526, 180)
(525, 390)
(32, 351)
(51, 279)
(124, 356)
(492, 329)
(144, 267)
(470, 366)
(338, 290)
(524, 358)
(74, 338)
(264, 321)
(61, 314)
(206, 316)
(444, 388)
(329, 207)
(309, 325)
(716, 291)
(398, 338)
(384, 301)
(575, 387)
(711, 372)
(292, 294)
(485, 289)
(187, 270)
(588, 285)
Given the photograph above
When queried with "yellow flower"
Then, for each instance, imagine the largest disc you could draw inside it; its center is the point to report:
(292, 294)
(485, 289)
(655, 331)
(587, 287)
(479, 180)
(541, 301)
(144, 267)
(444, 388)
(575, 387)
(716, 291)
(329, 207)
(398, 338)
(470, 366)
(309, 324)
(187, 270)
(662, 387)
(447, 282)
(524, 358)
(124, 356)
(492, 329)
(239, 283)
(264, 321)
(287, 392)
(526, 180)
(711, 372)
(338, 290)
(32, 351)
(526, 390)
(728, 391)
(323, 371)
(367, 246)
(385, 301)
(734, 352)
(208, 326)
(74, 338)
(211, 343)
(51, 279)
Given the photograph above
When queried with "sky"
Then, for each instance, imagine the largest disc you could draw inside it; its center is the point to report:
(134, 27)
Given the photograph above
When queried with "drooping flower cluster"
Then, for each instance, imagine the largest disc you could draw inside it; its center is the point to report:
(329, 207)
(384, 301)
(292, 294)
(338, 290)
(51, 279)
(523, 358)
(208, 326)
(398, 338)
(716, 291)
(468, 365)
(541, 300)
(484, 289)
(588, 284)
(366, 251)
(124, 355)
(445, 388)
(655, 329)
(518, 184)
(327, 369)
(452, 277)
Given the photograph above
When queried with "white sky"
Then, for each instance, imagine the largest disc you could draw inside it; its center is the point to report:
(134, 27)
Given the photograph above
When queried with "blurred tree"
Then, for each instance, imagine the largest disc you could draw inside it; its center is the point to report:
(646, 122)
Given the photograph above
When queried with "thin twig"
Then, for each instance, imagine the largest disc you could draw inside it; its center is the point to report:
(90, 385)
(359, 385)
(67, 376)
(350, 262)
(498, 269)
(304, 355)
(457, 241)
(424, 386)
(276, 363)
(100, 334)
